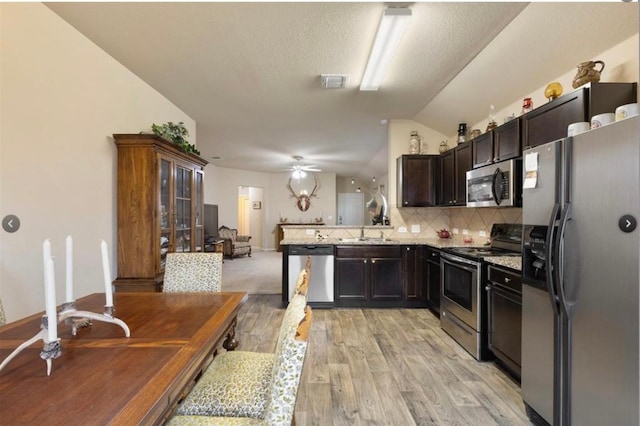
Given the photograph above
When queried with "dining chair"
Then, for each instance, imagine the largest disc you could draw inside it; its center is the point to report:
(192, 272)
(237, 384)
(283, 389)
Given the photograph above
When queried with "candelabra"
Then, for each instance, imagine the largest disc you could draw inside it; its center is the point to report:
(76, 319)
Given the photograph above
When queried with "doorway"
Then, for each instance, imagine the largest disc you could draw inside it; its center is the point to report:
(251, 214)
(351, 208)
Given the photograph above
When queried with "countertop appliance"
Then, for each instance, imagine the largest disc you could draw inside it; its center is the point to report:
(463, 301)
(495, 185)
(320, 293)
(580, 359)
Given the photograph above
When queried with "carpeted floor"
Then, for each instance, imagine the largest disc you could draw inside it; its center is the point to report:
(259, 274)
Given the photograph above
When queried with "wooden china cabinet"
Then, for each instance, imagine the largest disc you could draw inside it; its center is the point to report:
(160, 208)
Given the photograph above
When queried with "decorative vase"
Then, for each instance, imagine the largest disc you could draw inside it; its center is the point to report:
(553, 90)
(414, 143)
(527, 105)
(443, 147)
(587, 73)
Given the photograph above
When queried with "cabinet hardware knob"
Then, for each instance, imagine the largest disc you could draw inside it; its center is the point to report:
(506, 280)
(488, 288)
(365, 260)
(373, 261)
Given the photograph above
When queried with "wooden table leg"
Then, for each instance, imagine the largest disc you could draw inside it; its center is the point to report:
(230, 343)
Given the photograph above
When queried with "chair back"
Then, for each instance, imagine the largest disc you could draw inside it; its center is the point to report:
(287, 371)
(3, 318)
(193, 272)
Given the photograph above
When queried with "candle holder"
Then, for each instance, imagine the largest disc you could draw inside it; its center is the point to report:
(76, 319)
(79, 319)
(50, 349)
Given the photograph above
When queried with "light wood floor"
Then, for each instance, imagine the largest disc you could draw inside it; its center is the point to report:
(385, 367)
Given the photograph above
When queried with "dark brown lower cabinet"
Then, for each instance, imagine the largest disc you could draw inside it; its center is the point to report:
(415, 285)
(432, 274)
(368, 276)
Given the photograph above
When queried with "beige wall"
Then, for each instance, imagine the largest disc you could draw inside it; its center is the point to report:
(62, 98)
(221, 187)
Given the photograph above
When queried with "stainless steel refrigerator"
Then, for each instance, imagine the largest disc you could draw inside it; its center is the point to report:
(581, 272)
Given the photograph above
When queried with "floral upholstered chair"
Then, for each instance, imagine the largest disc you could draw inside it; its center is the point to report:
(234, 244)
(239, 385)
(281, 395)
(192, 272)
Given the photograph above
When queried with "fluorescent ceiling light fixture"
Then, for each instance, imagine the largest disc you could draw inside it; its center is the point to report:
(392, 26)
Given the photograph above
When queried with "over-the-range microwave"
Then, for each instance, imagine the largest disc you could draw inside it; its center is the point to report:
(495, 185)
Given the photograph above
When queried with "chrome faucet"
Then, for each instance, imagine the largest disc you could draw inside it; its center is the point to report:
(362, 232)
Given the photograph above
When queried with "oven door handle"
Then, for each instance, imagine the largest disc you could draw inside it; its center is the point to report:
(458, 262)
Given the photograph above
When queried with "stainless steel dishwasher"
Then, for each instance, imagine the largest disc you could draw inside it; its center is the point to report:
(320, 292)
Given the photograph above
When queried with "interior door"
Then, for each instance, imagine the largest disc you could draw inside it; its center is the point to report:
(351, 208)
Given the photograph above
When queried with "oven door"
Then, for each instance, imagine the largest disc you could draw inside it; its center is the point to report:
(460, 286)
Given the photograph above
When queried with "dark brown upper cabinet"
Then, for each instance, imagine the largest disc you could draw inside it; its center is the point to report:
(417, 180)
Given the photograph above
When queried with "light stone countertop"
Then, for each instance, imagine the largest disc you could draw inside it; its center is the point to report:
(513, 262)
(433, 242)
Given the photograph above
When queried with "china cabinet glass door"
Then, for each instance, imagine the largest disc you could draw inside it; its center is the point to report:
(165, 210)
(199, 207)
(183, 209)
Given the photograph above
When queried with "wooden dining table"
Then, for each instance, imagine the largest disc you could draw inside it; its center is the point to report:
(103, 377)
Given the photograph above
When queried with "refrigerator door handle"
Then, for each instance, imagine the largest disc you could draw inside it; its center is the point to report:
(559, 262)
(494, 180)
(551, 267)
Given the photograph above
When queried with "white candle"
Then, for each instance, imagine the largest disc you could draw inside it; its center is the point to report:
(50, 300)
(106, 270)
(69, 269)
(46, 254)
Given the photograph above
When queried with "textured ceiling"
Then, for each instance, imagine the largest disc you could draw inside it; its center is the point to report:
(249, 73)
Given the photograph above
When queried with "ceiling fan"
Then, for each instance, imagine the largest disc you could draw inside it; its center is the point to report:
(299, 169)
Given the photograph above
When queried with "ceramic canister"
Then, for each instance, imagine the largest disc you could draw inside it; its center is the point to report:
(602, 119)
(626, 111)
(577, 128)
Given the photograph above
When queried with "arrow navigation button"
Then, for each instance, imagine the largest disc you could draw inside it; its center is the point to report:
(10, 223)
(627, 223)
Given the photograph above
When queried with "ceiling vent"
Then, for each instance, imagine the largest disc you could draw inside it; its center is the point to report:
(334, 81)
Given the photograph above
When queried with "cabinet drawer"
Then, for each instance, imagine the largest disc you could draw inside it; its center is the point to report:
(433, 255)
(369, 251)
(506, 278)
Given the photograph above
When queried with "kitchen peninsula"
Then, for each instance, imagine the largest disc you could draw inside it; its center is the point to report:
(374, 267)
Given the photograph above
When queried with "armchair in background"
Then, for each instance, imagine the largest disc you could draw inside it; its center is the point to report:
(234, 244)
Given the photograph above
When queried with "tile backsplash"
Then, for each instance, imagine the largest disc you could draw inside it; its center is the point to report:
(432, 219)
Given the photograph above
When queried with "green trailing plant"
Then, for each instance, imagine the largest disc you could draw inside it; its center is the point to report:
(177, 134)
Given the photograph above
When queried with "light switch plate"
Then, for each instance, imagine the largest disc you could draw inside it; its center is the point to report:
(455, 230)
(309, 232)
(415, 229)
(465, 232)
(482, 234)
(402, 230)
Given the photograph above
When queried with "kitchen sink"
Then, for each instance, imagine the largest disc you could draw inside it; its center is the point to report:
(364, 240)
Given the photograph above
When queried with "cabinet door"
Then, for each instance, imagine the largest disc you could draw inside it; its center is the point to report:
(482, 150)
(507, 141)
(183, 205)
(198, 207)
(549, 122)
(386, 278)
(166, 211)
(464, 162)
(417, 180)
(413, 288)
(350, 280)
(433, 284)
(448, 175)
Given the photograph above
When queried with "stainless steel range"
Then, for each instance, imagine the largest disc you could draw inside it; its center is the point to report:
(463, 302)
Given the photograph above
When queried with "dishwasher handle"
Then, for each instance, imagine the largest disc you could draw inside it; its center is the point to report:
(311, 250)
